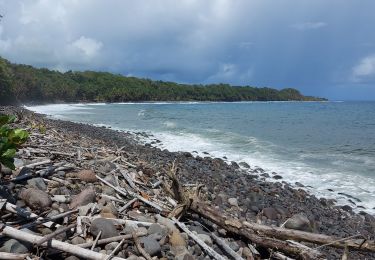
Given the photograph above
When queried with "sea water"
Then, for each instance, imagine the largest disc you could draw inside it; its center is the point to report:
(327, 146)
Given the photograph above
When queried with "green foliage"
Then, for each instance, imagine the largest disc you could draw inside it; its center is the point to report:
(10, 139)
(29, 84)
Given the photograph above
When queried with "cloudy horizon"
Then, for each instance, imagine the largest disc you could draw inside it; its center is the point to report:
(321, 48)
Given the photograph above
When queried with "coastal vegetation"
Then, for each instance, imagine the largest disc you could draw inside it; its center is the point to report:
(10, 139)
(27, 84)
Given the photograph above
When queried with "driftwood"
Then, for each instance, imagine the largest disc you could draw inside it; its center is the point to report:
(199, 241)
(53, 234)
(150, 203)
(226, 248)
(110, 239)
(283, 233)
(234, 226)
(14, 209)
(69, 248)
(11, 256)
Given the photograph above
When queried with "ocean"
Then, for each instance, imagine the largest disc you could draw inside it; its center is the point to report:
(327, 146)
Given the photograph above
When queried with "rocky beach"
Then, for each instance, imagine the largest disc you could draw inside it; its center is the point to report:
(79, 186)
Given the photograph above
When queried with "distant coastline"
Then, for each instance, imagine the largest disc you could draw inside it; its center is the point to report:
(24, 84)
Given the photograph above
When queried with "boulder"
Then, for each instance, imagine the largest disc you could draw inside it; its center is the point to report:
(85, 197)
(157, 229)
(298, 222)
(105, 225)
(87, 176)
(35, 198)
(150, 245)
(15, 246)
(78, 240)
(270, 213)
(37, 183)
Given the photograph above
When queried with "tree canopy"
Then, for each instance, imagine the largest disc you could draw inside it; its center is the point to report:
(26, 84)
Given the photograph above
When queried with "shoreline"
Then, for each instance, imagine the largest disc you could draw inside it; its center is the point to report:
(270, 173)
(270, 203)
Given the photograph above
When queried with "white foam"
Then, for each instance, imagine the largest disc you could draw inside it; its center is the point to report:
(320, 180)
(55, 109)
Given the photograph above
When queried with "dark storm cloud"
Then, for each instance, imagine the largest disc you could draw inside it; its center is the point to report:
(323, 48)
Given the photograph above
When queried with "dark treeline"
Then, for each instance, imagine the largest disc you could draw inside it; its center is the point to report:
(26, 84)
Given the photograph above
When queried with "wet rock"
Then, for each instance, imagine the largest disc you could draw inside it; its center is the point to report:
(347, 208)
(270, 213)
(35, 198)
(277, 177)
(233, 202)
(15, 246)
(86, 196)
(106, 226)
(37, 183)
(244, 164)
(87, 176)
(150, 245)
(298, 222)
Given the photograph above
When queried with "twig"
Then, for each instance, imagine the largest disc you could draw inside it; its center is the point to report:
(127, 205)
(96, 240)
(199, 241)
(115, 250)
(152, 204)
(226, 248)
(140, 248)
(53, 234)
(110, 239)
(338, 240)
(62, 246)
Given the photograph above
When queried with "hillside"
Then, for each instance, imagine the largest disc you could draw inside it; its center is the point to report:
(26, 84)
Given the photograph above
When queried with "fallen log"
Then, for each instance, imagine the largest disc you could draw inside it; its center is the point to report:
(236, 227)
(283, 233)
(62, 246)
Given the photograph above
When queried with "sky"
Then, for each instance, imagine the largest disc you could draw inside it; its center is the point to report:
(323, 48)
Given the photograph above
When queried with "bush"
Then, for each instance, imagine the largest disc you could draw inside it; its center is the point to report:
(10, 140)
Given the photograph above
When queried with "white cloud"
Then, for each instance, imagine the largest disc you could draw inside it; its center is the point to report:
(308, 26)
(88, 46)
(365, 69)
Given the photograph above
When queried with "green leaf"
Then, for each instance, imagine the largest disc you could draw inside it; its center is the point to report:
(10, 153)
(8, 162)
(7, 119)
(4, 120)
(18, 136)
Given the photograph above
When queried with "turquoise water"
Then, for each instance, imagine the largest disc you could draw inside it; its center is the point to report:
(326, 145)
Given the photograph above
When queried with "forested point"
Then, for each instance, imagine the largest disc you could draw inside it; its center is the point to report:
(26, 84)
